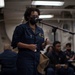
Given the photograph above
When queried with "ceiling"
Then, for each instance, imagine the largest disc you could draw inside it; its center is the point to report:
(14, 10)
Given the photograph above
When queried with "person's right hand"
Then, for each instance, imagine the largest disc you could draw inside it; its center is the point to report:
(32, 47)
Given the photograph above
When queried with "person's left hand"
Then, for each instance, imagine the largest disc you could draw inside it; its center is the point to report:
(65, 66)
(47, 41)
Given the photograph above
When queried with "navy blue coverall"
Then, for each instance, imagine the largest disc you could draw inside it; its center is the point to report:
(27, 59)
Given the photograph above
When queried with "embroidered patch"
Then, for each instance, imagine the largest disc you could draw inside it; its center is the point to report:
(41, 35)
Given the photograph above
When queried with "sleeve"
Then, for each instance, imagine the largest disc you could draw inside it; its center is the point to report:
(16, 36)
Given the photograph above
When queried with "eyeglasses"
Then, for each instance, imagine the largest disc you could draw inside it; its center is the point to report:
(36, 16)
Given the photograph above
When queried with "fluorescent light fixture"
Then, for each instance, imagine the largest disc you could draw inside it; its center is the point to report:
(46, 16)
(48, 3)
(2, 3)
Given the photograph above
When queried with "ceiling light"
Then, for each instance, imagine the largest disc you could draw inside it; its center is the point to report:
(46, 16)
(48, 3)
(1, 3)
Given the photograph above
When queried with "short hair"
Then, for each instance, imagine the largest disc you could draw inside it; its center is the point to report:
(28, 12)
(56, 42)
(68, 44)
(48, 48)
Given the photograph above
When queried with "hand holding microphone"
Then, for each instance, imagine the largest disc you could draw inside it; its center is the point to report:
(47, 41)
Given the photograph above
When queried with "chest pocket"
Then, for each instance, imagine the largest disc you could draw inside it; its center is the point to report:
(40, 37)
(28, 37)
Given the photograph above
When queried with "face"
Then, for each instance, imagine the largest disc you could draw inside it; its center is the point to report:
(68, 48)
(34, 14)
(33, 17)
(58, 47)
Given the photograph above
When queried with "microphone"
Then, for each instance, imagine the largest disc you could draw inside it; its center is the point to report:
(38, 19)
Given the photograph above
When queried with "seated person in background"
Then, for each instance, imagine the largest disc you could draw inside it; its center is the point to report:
(8, 61)
(70, 55)
(58, 62)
